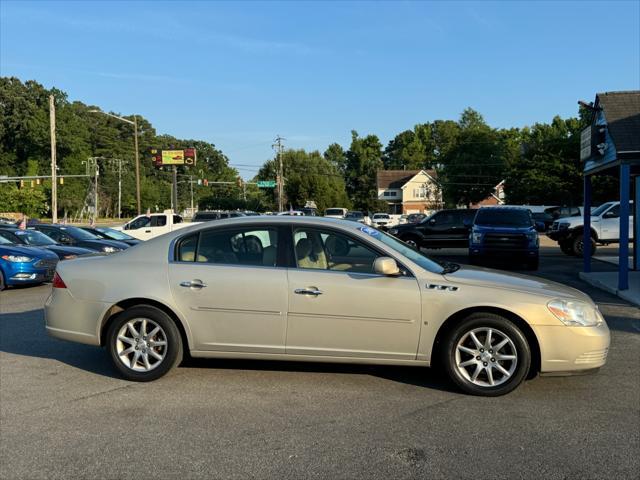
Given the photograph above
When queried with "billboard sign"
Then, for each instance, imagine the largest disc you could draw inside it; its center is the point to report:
(585, 143)
(185, 156)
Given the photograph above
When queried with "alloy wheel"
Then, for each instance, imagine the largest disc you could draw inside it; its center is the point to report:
(486, 357)
(141, 344)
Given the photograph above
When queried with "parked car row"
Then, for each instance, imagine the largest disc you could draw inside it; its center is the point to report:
(488, 233)
(29, 256)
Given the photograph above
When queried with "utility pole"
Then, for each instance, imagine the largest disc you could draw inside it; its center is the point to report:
(135, 141)
(95, 191)
(120, 187)
(174, 193)
(54, 167)
(191, 184)
(280, 179)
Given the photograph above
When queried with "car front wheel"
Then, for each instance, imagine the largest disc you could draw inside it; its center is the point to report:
(486, 355)
(411, 240)
(578, 245)
(144, 343)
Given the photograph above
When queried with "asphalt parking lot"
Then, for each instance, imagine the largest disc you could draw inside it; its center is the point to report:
(65, 413)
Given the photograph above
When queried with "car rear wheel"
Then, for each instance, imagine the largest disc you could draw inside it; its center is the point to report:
(2, 285)
(567, 247)
(486, 355)
(144, 343)
(578, 245)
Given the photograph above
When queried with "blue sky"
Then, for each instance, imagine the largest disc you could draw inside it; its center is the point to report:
(237, 74)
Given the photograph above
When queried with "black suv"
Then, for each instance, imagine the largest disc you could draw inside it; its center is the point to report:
(446, 228)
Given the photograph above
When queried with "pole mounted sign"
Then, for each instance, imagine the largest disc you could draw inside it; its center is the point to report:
(185, 156)
(266, 184)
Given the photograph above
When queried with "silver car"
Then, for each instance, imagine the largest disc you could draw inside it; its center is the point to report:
(323, 290)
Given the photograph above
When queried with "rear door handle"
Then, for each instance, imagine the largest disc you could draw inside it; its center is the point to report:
(308, 291)
(193, 284)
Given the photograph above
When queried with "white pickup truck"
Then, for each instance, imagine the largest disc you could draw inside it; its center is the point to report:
(144, 227)
(605, 229)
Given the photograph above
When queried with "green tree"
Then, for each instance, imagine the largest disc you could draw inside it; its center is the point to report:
(308, 176)
(364, 159)
(475, 163)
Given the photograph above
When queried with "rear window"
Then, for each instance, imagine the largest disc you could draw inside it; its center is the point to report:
(494, 217)
(205, 216)
(334, 211)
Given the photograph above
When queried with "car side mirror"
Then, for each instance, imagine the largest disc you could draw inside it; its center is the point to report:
(386, 266)
(126, 226)
(540, 226)
(432, 221)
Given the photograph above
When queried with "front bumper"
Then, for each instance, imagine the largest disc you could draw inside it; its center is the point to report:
(24, 274)
(507, 253)
(567, 350)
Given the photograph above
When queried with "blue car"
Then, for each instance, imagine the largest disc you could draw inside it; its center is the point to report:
(508, 234)
(25, 265)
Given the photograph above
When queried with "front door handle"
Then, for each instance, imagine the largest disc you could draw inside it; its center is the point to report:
(308, 291)
(193, 284)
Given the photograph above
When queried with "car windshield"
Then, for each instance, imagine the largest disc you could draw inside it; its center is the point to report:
(355, 215)
(79, 234)
(334, 211)
(497, 217)
(115, 234)
(415, 256)
(601, 209)
(381, 215)
(33, 237)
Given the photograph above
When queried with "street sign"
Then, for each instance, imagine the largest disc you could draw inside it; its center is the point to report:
(266, 184)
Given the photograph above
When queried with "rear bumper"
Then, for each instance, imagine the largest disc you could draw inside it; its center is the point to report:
(571, 350)
(70, 319)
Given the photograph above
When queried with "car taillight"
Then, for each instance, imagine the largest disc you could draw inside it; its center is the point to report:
(58, 282)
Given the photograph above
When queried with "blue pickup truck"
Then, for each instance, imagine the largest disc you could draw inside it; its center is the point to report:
(505, 233)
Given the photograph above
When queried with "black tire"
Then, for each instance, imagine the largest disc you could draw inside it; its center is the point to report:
(411, 240)
(501, 327)
(2, 284)
(533, 263)
(578, 245)
(567, 247)
(174, 348)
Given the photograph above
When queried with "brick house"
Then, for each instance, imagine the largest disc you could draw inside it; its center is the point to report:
(409, 191)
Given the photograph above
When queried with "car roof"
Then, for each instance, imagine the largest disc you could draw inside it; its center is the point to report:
(505, 208)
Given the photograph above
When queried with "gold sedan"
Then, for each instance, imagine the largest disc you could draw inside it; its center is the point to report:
(322, 290)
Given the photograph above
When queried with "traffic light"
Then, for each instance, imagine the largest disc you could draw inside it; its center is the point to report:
(37, 181)
(32, 183)
(239, 182)
(205, 182)
(21, 183)
(61, 180)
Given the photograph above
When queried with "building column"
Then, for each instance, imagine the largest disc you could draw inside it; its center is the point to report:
(623, 250)
(586, 226)
(636, 226)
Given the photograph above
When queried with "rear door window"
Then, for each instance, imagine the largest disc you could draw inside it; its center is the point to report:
(256, 247)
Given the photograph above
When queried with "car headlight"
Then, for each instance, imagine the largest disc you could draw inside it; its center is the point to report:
(393, 231)
(575, 313)
(110, 249)
(476, 237)
(69, 257)
(17, 258)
